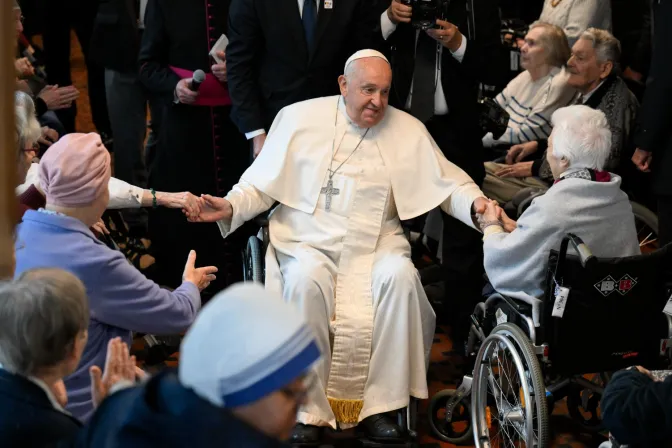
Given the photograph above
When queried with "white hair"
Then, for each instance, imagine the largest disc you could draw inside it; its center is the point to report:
(581, 136)
(28, 129)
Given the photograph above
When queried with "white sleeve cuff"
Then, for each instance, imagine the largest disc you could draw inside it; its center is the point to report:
(459, 203)
(251, 135)
(459, 53)
(386, 25)
(124, 195)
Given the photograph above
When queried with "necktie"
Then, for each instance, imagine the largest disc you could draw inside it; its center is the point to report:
(309, 19)
(424, 78)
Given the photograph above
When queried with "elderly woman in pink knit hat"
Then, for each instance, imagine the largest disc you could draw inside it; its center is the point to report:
(74, 176)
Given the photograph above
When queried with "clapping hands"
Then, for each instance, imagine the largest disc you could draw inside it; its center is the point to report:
(119, 368)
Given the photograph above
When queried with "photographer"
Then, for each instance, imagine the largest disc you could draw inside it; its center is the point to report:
(436, 73)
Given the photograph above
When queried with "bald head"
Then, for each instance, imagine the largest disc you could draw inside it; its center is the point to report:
(365, 86)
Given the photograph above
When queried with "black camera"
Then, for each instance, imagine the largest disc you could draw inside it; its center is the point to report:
(492, 117)
(426, 12)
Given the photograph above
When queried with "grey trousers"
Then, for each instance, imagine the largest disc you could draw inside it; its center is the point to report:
(127, 102)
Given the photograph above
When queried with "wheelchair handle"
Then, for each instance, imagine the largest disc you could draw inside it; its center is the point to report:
(585, 255)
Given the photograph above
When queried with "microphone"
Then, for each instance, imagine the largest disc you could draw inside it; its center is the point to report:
(197, 80)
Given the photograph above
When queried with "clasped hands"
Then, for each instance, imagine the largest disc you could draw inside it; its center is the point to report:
(488, 211)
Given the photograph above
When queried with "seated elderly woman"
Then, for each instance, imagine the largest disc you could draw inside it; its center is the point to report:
(532, 96)
(74, 175)
(592, 72)
(122, 194)
(34, 363)
(584, 200)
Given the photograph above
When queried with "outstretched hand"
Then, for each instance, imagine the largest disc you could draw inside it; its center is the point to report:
(212, 209)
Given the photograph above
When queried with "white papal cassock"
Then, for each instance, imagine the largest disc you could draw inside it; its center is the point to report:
(348, 268)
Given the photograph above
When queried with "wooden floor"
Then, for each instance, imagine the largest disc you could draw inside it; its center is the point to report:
(443, 368)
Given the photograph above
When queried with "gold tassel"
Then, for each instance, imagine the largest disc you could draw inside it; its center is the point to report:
(346, 411)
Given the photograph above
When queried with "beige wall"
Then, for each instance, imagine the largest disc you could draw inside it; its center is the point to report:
(8, 207)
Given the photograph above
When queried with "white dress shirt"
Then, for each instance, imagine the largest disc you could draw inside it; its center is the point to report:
(440, 104)
(586, 97)
(250, 135)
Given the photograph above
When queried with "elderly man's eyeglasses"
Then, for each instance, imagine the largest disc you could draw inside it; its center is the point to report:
(33, 148)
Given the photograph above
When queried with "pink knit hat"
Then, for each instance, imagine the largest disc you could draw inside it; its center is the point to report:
(75, 170)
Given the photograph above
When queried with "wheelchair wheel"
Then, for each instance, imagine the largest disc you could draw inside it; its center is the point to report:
(458, 431)
(253, 268)
(646, 224)
(509, 406)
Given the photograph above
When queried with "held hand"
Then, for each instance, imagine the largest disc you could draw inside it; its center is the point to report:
(509, 224)
(200, 277)
(448, 35)
(189, 203)
(518, 153)
(119, 366)
(212, 209)
(184, 94)
(642, 160)
(48, 137)
(492, 212)
(258, 144)
(399, 13)
(219, 69)
(519, 170)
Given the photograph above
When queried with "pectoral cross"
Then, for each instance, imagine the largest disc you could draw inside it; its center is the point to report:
(330, 191)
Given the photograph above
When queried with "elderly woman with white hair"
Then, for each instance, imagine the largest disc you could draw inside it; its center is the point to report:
(531, 97)
(584, 200)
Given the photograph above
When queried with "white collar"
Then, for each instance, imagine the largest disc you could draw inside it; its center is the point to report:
(589, 94)
(42, 385)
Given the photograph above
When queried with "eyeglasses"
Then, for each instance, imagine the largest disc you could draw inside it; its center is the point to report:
(33, 148)
(309, 381)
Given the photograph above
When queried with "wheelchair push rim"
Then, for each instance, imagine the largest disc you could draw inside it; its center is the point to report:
(509, 407)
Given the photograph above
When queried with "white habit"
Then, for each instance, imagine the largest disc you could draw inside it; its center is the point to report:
(348, 268)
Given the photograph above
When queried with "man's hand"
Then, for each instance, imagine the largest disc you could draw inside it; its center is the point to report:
(219, 70)
(448, 35)
(212, 209)
(642, 160)
(48, 137)
(520, 169)
(24, 68)
(518, 153)
(200, 277)
(258, 144)
(119, 366)
(58, 97)
(480, 205)
(184, 94)
(399, 13)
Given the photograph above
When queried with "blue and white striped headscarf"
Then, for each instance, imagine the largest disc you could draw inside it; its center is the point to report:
(245, 344)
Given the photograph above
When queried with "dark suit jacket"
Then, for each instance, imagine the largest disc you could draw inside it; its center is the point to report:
(115, 41)
(164, 414)
(269, 66)
(654, 133)
(27, 417)
(482, 62)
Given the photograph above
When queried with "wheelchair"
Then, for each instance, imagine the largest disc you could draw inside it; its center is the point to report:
(254, 270)
(598, 315)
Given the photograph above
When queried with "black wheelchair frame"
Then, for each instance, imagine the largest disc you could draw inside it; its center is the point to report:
(552, 360)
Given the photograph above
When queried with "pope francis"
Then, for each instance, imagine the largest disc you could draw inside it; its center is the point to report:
(344, 171)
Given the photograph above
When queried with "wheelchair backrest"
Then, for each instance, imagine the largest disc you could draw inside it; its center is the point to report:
(613, 316)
